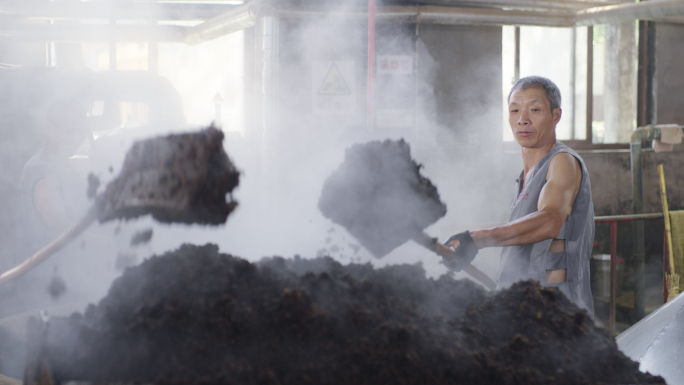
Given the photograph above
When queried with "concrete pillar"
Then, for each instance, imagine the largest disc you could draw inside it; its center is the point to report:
(266, 96)
(669, 77)
(620, 82)
(266, 65)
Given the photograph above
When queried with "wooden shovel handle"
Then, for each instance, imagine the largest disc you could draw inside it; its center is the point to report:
(444, 251)
(50, 249)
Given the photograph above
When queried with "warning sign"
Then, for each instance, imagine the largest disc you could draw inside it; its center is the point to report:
(394, 65)
(334, 83)
(333, 87)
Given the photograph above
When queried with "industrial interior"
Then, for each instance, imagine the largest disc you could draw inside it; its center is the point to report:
(278, 97)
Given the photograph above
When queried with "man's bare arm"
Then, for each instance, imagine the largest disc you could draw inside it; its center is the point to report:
(554, 207)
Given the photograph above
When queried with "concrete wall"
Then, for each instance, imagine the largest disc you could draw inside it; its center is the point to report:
(466, 83)
(455, 84)
(669, 73)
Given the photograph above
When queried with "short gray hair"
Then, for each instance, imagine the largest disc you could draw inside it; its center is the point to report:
(550, 89)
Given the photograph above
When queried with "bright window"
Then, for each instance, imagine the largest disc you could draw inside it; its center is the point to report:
(562, 55)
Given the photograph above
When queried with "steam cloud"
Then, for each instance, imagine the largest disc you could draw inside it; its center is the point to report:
(279, 190)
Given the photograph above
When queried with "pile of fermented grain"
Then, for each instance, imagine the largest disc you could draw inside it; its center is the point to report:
(197, 316)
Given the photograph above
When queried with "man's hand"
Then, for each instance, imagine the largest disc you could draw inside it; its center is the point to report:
(465, 251)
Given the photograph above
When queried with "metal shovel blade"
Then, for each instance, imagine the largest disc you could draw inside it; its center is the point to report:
(380, 197)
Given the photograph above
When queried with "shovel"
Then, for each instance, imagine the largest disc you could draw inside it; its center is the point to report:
(380, 197)
(181, 178)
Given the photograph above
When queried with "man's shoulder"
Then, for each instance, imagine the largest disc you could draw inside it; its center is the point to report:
(563, 153)
(565, 164)
(562, 148)
(565, 157)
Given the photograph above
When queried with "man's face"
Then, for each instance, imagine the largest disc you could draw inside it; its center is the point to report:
(531, 119)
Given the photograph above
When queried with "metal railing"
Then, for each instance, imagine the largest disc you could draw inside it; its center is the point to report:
(613, 220)
(639, 136)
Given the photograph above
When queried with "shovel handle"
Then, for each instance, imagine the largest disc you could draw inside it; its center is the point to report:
(50, 249)
(445, 252)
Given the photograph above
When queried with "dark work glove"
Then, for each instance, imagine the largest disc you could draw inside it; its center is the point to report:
(465, 252)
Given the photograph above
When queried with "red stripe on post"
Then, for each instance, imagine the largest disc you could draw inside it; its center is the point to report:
(371, 63)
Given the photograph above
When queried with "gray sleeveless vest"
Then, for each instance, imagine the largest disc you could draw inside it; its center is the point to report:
(531, 261)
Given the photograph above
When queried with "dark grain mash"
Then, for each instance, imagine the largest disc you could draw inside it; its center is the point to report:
(195, 316)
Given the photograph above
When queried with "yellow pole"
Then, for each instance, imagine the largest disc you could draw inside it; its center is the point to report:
(672, 277)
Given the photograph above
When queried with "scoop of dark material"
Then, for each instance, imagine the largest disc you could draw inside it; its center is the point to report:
(181, 178)
(141, 237)
(194, 316)
(380, 197)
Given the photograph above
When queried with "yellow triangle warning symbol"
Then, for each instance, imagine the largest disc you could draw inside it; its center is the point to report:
(334, 83)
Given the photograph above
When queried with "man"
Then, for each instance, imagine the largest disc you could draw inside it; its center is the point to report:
(53, 192)
(550, 232)
(53, 197)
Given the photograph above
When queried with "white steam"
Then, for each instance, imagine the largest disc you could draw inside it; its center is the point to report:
(279, 191)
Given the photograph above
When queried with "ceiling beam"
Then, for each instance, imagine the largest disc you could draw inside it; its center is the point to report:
(117, 10)
(645, 10)
(240, 17)
(93, 33)
(538, 5)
